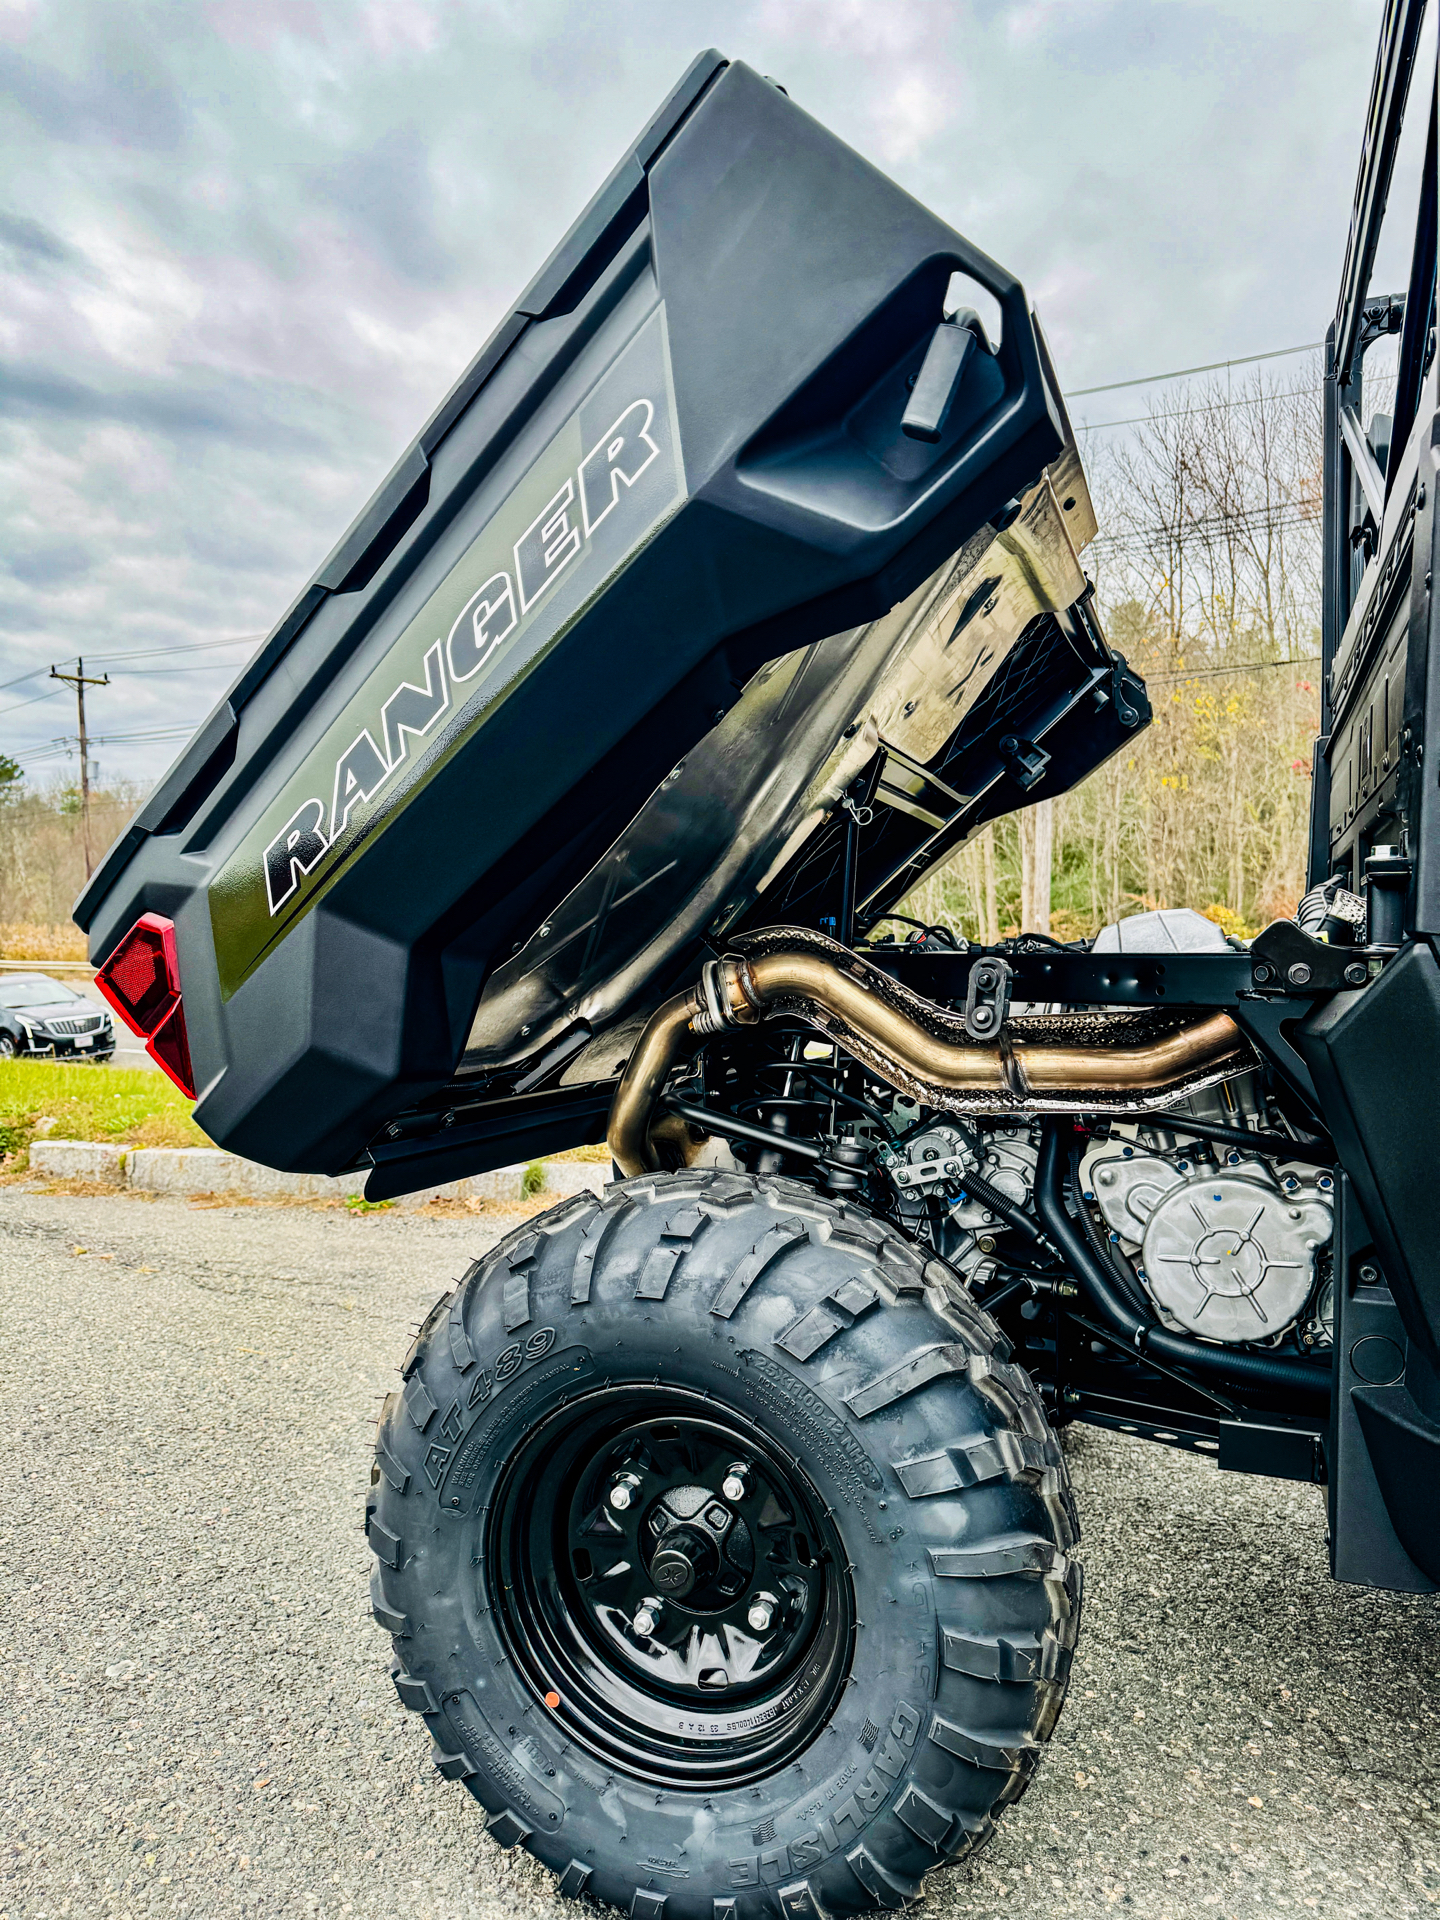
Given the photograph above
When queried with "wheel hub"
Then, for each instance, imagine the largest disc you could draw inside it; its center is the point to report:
(634, 1614)
(697, 1548)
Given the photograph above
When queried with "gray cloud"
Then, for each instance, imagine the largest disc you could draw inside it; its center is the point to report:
(250, 243)
(34, 243)
(387, 197)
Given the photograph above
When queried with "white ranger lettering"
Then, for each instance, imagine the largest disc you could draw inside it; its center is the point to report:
(549, 544)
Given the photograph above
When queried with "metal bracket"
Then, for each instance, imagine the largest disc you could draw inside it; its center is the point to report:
(1286, 961)
(988, 998)
(1128, 692)
(1025, 761)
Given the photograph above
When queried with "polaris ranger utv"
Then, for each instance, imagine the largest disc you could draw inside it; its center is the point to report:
(722, 1530)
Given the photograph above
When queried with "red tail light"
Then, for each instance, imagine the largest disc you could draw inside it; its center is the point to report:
(141, 981)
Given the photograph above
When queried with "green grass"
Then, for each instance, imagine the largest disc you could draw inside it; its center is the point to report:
(125, 1105)
(132, 1108)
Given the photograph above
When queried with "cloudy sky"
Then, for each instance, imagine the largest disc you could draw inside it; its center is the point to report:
(246, 245)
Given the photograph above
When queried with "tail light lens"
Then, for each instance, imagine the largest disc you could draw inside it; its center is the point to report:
(141, 981)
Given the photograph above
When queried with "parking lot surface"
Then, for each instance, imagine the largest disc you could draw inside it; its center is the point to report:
(197, 1717)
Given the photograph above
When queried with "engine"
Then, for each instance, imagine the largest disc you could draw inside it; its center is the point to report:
(1179, 1151)
(1226, 1249)
(934, 1174)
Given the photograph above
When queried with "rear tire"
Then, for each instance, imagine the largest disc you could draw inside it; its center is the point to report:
(899, 1516)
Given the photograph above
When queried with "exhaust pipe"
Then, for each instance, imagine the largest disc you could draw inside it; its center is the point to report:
(1127, 1063)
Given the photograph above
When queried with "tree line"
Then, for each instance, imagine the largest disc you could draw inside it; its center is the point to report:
(1208, 581)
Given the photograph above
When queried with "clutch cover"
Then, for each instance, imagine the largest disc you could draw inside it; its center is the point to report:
(1228, 1254)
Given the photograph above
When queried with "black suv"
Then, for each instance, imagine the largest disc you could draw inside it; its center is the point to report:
(42, 1016)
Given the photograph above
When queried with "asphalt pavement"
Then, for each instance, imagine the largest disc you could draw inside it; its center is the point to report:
(196, 1717)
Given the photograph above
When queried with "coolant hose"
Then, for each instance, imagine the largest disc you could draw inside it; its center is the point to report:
(1224, 1363)
(1003, 1207)
(999, 1204)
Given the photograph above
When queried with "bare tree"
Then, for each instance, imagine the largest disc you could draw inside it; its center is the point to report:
(1208, 576)
(1037, 828)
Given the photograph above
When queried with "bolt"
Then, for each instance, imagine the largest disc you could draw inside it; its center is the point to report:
(646, 1618)
(626, 1487)
(1369, 1275)
(736, 1484)
(1355, 973)
(981, 1017)
(1298, 973)
(1260, 975)
(761, 1612)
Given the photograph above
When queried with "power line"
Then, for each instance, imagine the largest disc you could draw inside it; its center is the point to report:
(1217, 673)
(1182, 373)
(1214, 527)
(17, 705)
(1186, 413)
(63, 747)
(147, 653)
(182, 647)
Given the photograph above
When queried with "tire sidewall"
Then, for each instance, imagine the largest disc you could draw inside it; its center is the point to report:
(776, 1846)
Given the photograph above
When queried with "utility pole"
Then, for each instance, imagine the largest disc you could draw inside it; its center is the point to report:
(79, 682)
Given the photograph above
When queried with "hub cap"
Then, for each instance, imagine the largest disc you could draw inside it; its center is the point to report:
(705, 1696)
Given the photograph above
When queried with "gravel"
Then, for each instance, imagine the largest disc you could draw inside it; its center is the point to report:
(198, 1717)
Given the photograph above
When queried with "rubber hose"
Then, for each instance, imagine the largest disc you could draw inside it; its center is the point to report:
(1120, 1271)
(1018, 1284)
(1001, 1204)
(992, 1197)
(1278, 1146)
(1225, 1363)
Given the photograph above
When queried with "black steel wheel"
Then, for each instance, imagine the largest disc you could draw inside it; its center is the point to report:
(724, 1551)
(673, 1578)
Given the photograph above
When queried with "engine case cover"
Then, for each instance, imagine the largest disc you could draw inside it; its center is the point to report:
(1229, 1254)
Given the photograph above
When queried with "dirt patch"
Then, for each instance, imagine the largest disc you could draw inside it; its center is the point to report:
(445, 1210)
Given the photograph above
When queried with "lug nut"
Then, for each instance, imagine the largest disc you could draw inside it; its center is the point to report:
(736, 1484)
(761, 1612)
(626, 1487)
(646, 1618)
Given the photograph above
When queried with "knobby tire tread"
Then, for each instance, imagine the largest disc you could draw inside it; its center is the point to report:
(992, 1499)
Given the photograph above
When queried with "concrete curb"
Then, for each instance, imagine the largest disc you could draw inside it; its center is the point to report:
(207, 1170)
